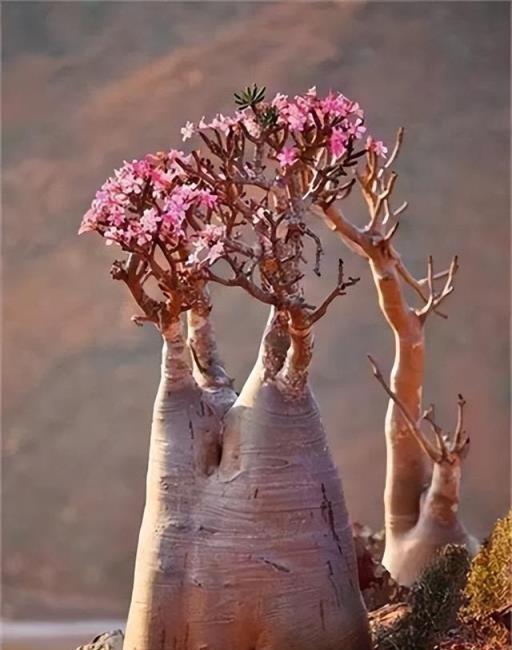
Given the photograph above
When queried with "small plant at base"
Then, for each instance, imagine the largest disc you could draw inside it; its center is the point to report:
(489, 588)
(433, 604)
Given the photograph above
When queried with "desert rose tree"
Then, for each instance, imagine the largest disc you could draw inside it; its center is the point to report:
(245, 542)
(422, 478)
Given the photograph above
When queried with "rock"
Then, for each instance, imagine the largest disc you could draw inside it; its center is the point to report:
(107, 641)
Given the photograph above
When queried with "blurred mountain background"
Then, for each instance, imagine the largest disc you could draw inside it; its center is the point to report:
(88, 84)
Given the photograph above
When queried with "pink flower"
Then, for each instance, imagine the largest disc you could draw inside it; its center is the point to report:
(188, 131)
(334, 105)
(141, 167)
(89, 222)
(174, 154)
(208, 199)
(356, 129)
(338, 142)
(116, 215)
(162, 180)
(377, 146)
(112, 236)
(216, 251)
(222, 123)
(287, 156)
(174, 211)
(280, 102)
(210, 240)
(296, 117)
(212, 233)
(355, 109)
(144, 238)
(150, 220)
(308, 101)
(128, 178)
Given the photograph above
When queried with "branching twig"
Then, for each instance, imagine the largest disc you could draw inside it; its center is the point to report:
(446, 450)
(415, 431)
(339, 290)
(435, 299)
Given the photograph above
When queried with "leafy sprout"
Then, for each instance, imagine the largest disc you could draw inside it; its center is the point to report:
(249, 97)
(268, 117)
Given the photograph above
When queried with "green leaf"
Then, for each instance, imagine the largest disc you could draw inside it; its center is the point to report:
(250, 96)
(268, 117)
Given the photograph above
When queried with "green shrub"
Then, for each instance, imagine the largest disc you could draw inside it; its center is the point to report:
(433, 603)
(489, 587)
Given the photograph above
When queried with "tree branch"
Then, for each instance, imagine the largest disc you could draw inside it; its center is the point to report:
(415, 431)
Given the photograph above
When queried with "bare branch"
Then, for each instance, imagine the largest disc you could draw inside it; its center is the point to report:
(396, 150)
(442, 440)
(458, 446)
(415, 431)
(436, 276)
(239, 279)
(350, 234)
(460, 438)
(339, 290)
(391, 232)
(127, 272)
(435, 299)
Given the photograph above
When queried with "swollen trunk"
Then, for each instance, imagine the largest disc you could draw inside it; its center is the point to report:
(254, 553)
(184, 449)
(273, 566)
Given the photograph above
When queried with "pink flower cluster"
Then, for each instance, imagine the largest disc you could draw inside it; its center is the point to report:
(144, 199)
(377, 146)
(152, 200)
(222, 122)
(341, 118)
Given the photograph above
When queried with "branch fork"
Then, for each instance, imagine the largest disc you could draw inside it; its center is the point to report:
(449, 448)
(374, 241)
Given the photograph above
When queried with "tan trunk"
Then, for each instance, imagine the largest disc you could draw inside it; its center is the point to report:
(420, 499)
(407, 466)
(184, 450)
(276, 566)
(264, 560)
(208, 369)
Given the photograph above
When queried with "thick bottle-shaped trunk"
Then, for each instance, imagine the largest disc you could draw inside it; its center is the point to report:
(184, 450)
(410, 551)
(408, 468)
(274, 564)
(257, 553)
